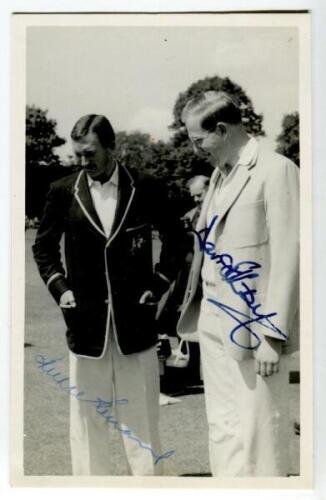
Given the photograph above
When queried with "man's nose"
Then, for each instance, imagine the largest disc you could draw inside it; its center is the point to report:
(196, 149)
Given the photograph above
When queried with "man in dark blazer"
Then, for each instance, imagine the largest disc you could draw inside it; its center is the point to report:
(108, 293)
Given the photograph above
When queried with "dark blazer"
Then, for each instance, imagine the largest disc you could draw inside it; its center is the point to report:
(108, 274)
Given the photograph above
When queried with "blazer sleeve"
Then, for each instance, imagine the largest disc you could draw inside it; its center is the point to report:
(46, 249)
(282, 214)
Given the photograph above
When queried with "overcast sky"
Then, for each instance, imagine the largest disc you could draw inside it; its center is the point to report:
(133, 75)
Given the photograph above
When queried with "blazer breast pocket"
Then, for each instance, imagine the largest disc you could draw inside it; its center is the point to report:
(246, 226)
(138, 238)
(141, 226)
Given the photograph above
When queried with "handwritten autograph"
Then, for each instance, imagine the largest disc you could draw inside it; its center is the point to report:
(102, 406)
(236, 274)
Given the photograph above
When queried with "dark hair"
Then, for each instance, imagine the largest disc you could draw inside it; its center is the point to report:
(228, 114)
(97, 124)
(214, 107)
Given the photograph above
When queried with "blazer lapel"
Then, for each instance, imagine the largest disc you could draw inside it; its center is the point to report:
(126, 191)
(247, 161)
(234, 189)
(84, 199)
(201, 224)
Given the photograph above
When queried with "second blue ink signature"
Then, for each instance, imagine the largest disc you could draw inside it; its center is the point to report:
(102, 406)
(236, 274)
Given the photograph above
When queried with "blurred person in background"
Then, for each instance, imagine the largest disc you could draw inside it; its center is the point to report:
(191, 373)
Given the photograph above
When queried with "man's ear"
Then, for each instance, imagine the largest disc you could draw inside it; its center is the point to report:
(110, 151)
(221, 129)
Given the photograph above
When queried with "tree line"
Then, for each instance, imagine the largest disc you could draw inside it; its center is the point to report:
(173, 161)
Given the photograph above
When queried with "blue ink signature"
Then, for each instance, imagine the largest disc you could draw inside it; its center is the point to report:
(102, 406)
(235, 275)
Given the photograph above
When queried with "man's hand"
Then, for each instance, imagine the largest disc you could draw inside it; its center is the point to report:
(268, 356)
(67, 300)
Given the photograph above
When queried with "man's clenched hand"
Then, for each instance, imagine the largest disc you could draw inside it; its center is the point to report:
(67, 300)
(268, 357)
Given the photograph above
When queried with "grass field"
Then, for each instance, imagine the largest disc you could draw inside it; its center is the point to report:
(46, 434)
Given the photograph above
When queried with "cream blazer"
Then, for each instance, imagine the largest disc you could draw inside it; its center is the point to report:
(258, 221)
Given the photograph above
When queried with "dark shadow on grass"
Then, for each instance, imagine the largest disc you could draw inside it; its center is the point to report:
(204, 474)
(188, 391)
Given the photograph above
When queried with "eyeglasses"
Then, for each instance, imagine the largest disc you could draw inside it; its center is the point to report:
(197, 141)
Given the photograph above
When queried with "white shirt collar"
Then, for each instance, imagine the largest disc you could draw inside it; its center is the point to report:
(249, 153)
(113, 179)
(248, 157)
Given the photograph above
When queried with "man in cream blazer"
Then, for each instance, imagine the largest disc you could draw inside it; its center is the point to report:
(242, 298)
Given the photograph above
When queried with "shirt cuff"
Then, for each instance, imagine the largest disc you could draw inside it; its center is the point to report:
(57, 286)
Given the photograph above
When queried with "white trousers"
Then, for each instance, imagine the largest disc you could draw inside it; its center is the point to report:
(120, 394)
(248, 415)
